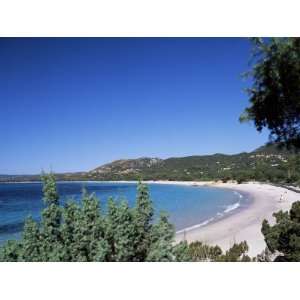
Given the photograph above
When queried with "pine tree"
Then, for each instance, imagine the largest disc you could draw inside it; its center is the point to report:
(120, 231)
(181, 252)
(51, 247)
(110, 228)
(143, 215)
(237, 253)
(91, 228)
(71, 215)
(202, 252)
(31, 243)
(274, 95)
(124, 235)
(162, 238)
(81, 233)
(11, 251)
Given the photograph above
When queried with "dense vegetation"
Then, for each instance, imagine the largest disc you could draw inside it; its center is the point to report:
(84, 233)
(268, 163)
(283, 238)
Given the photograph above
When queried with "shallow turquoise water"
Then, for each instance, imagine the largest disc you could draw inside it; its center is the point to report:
(187, 205)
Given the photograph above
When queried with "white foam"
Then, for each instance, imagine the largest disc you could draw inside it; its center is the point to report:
(238, 194)
(232, 207)
(228, 209)
(196, 226)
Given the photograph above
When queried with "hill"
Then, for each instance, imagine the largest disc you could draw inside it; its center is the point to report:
(267, 163)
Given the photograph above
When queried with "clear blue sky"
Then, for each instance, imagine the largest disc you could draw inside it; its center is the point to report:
(74, 104)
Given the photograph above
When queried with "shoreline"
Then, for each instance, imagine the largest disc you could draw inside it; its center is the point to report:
(242, 224)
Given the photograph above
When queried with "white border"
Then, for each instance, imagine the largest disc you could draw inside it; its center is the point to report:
(149, 281)
(149, 18)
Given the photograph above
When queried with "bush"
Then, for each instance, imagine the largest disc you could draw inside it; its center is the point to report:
(82, 233)
(199, 252)
(284, 236)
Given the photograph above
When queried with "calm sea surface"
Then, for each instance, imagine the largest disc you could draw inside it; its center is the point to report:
(187, 206)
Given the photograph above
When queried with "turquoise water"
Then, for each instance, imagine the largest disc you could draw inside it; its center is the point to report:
(187, 206)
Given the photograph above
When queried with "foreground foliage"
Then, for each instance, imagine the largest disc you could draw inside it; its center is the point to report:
(199, 252)
(82, 232)
(275, 93)
(283, 238)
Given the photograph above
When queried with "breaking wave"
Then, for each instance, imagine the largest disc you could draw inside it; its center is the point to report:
(219, 215)
(232, 207)
(196, 226)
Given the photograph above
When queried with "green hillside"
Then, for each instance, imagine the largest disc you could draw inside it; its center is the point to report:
(267, 163)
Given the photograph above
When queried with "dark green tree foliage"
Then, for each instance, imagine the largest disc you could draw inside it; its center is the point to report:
(31, 242)
(161, 241)
(275, 94)
(143, 215)
(51, 247)
(89, 236)
(80, 232)
(71, 232)
(199, 252)
(181, 252)
(11, 252)
(284, 237)
(236, 253)
(120, 231)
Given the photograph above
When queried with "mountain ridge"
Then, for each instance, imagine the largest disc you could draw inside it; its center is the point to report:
(266, 162)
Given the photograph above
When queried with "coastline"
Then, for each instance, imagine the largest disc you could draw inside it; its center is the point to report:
(244, 224)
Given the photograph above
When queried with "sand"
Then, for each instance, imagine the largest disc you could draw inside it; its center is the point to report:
(245, 224)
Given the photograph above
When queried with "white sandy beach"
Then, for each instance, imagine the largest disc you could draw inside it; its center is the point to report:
(246, 223)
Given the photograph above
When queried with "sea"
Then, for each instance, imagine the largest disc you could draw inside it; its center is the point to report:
(187, 206)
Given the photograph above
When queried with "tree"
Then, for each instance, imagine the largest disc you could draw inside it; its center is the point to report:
(71, 232)
(275, 94)
(125, 234)
(283, 238)
(202, 252)
(49, 189)
(143, 214)
(51, 248)
(11, 251)
(89, 237)
(162, 238)
(236, 253)
(181, 252)
(81, 232)
(31, 242)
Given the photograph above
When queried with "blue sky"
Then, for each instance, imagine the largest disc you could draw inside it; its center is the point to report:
(74, 104)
